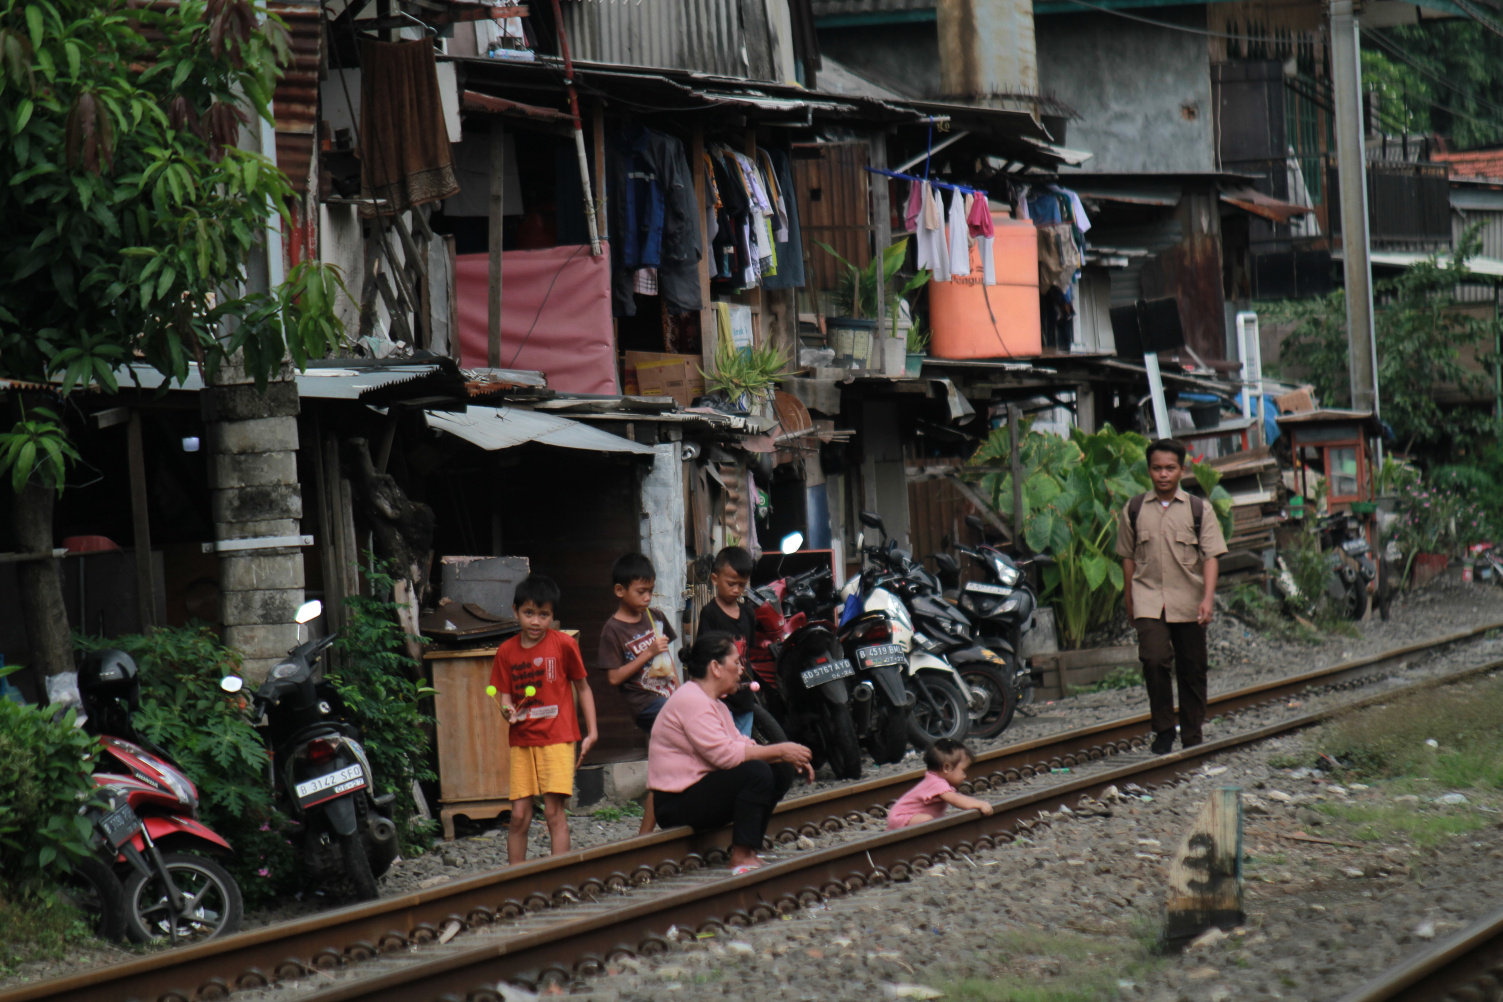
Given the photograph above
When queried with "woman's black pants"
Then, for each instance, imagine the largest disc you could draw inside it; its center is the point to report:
(744, 796)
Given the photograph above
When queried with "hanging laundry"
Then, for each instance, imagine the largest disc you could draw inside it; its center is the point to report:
(933, 246)
(960, 244)
(654, 219)
(978, 218)
(1077, 210)
(790, 250)
(915, 206)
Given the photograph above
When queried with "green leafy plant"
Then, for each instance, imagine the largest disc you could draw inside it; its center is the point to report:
(45, 765)
(918, 339)
(1072, 491)
(372, 674)
(748, 373)
(36, 447)
(856, 291)
(209, 734)
(1207, 483)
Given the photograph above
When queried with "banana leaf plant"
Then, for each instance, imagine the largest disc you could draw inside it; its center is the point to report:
(855, 292)
(1073, 490)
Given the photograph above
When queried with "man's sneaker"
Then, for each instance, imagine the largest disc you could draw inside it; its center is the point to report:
(1163, 742)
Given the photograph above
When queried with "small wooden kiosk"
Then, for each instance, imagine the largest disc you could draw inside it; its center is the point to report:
(1338, 444)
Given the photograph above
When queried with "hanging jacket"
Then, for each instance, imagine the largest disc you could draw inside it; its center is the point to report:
(654, 219)
(790, 251)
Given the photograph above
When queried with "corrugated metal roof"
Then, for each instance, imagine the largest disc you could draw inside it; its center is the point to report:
(330, 382)
(711, 36)
(507, 427)
(294, 103)
(1490, 267)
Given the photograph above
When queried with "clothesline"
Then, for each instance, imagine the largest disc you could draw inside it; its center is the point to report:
(963, 189)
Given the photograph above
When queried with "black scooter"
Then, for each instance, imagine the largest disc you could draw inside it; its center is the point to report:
(320, 771)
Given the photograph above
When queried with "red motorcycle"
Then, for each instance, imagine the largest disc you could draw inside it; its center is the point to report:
(174, 890)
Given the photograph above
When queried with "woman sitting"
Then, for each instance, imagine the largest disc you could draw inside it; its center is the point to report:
(703, 772)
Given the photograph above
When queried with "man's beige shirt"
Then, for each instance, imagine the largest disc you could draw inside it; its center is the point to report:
(1169, 580)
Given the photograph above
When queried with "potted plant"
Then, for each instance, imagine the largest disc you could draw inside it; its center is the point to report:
(862, 299)
(918, 347)
(744, 377)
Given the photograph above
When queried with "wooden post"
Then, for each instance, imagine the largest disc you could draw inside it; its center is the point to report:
(146, 589)
(709, 326)
(498, 209)
(1205, 879)
(1015, 459)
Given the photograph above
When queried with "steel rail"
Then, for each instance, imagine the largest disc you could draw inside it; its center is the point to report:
(326, 940)
(581, 947)
(1465, 967)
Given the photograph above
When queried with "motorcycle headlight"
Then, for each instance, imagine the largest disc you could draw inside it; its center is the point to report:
(1009, 606)
(1009, 575)
(181, 788)
(285, 670)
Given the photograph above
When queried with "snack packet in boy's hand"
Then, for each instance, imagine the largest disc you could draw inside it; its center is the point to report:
(661, 666)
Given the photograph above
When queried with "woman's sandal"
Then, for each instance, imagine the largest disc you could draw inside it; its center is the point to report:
(737, 871)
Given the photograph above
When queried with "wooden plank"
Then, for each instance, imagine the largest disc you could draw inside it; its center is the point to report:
(146, 590)
(1205, 878)
(497, 212)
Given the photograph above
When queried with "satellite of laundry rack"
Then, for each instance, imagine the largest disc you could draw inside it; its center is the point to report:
(947, 186)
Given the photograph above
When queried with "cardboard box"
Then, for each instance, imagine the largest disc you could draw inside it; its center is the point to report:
(1301, 401)
(652, 374)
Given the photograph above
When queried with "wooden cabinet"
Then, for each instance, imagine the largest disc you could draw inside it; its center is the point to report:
(473, 755)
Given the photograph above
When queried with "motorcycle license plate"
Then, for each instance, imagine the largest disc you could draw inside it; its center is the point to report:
(827, 672)
(1355, 546)
(119, 825)
(983, 588)
(331, 785)
(881, 654)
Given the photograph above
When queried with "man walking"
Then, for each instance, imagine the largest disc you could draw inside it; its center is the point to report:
(1170, 544)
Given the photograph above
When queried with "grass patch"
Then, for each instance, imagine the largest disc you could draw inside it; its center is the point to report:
(1423, 827)
(40, 928)
(1122, 677)
(1390, 741)
(1088, 968)
(616, 812)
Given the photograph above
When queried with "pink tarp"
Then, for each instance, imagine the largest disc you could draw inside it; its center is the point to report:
(555, 315)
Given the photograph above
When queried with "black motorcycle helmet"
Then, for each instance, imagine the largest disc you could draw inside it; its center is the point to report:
(108, 676)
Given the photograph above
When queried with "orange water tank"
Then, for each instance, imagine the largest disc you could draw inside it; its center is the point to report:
(970, 319)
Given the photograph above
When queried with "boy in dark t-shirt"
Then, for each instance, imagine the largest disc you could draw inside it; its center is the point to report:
(726, 613)
(634, 650)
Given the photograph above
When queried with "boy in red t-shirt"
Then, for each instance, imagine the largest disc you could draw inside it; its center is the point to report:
(536, 674)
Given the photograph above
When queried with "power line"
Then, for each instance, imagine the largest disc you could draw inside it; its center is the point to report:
(1159, 24)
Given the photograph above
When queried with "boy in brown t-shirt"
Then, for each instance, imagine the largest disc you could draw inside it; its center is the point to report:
(634, 650)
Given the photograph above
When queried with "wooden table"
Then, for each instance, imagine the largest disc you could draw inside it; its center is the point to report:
(474, 758)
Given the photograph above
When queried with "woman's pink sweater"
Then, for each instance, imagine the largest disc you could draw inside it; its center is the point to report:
(693, 735)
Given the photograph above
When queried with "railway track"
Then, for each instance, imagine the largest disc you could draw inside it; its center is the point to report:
(564, 917)
(1466, 967)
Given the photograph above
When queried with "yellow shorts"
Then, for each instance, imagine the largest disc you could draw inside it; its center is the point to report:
(542, 769)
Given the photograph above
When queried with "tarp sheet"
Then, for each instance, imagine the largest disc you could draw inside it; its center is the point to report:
(555, 315)
(504, 427)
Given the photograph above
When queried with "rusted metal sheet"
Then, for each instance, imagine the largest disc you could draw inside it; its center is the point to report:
(294, 103)
(1190, 271)
(724, 37)
(987, 53)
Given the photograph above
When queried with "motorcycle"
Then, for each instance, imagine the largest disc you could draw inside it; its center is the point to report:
(173, 889)
(804, 677)
(320, 771)
(1349, 555)
(882, 704)
(941, 707)
(1003, 605)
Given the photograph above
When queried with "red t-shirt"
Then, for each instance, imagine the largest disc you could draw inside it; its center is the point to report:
(550, 666)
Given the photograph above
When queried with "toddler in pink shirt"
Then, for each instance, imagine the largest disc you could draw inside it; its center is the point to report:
(946, 761)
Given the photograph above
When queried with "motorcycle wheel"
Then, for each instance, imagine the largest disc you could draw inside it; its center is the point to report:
(1023, 689)
(765, 727)
(948, 718)
(94, 890)
(889, 742)
(216, 905)
(1001, 702)
(357, 867)
(1356, 600)
(840, 740)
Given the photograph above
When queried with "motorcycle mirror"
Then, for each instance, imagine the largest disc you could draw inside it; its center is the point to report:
(1043, 560)
(309, 611)
(232, 683)
(792, 543)
(872, 520)
(974, 521)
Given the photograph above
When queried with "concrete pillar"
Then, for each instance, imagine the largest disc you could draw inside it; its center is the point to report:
(1351, 165)
(987, 54)
(255, 493)
(662, 499)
